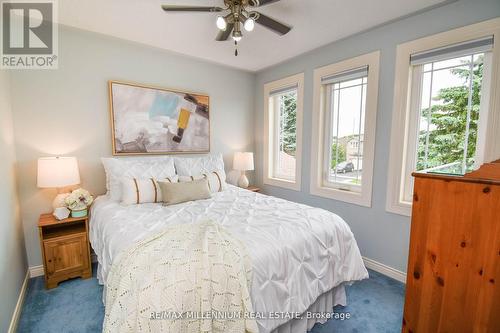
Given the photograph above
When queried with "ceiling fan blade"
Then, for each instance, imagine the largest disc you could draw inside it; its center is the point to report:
(169, 8)
(272, 24)
(258, 3)
(224, 35)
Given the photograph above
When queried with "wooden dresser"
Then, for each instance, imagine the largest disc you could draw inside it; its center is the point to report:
(65, 248)
(454, 260)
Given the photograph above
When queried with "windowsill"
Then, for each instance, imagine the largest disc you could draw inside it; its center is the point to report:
(356, 198)
(342, 187)
(288, 184)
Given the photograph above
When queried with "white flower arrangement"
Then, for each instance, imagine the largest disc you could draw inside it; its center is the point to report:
(79, 199)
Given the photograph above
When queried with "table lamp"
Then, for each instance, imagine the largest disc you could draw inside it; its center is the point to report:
(59, 173)
(243, 162)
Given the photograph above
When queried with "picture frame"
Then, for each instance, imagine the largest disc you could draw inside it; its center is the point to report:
(149, 120)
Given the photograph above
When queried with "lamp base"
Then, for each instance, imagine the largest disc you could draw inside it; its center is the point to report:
(243, 181)
(59, 200)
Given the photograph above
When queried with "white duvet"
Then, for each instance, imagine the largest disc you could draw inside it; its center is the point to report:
(297, 252)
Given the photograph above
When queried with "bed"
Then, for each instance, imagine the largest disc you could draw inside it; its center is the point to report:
(302, 257)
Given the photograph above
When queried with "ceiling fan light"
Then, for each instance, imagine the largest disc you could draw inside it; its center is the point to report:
(237, 36)
(221, 23)
(249, 24)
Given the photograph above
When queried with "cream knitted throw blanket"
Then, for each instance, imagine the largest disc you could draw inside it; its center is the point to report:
(189, 278)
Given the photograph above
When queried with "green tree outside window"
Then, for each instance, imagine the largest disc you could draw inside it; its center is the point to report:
(449, 119)
(289, 129)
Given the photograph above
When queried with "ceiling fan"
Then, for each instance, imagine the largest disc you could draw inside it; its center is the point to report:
(234, 15)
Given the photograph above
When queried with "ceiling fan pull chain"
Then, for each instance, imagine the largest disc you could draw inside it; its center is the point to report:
(235, 48)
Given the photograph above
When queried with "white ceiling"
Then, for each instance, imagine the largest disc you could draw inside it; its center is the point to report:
(315, 23)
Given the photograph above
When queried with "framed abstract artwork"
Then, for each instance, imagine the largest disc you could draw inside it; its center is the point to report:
(151, 120)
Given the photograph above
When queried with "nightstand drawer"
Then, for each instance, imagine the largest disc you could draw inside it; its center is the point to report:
(66, 254)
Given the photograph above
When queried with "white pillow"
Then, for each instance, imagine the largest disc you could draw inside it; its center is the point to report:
(216, 180)
(189, 166)
(199, 166)
(142, 167)
(137, 191)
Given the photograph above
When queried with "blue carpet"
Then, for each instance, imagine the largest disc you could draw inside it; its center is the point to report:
(374, 305)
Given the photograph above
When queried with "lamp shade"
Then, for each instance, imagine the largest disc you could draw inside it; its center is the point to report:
(243, 161)
(57, 172)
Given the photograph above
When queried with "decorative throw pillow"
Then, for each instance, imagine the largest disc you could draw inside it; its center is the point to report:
(137, 191)
(174, 193)
(135, 167)
(216, 180)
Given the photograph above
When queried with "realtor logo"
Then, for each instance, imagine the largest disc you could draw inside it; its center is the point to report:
(29, 34)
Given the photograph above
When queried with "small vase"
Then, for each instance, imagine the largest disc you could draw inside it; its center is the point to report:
(79, 213)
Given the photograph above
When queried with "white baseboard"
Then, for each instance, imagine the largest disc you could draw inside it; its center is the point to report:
(385, 270)
(19, 305)
(36, 271)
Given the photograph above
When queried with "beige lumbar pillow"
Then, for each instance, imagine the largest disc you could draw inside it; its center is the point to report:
(216, 180)
(174, 193)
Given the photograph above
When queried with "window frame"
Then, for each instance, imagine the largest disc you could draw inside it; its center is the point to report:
(318, 142)
(398, 169)
(269, 133)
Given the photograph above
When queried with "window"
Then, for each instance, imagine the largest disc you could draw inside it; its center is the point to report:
(444, 125)
(345, 106)
(284, 105)
(345, 103)
(445, 113)
(283, 129)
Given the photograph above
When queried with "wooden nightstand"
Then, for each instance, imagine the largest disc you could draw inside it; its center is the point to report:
(65, 248)
(253, 188)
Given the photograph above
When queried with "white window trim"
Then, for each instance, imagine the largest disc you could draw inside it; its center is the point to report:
(364, 197)
(297, 80)
(401, 108)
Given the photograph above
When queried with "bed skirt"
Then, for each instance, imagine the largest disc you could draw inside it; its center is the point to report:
(323, 304)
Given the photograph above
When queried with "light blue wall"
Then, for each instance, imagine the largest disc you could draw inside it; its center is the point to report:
(382, 236)
(13, 264)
